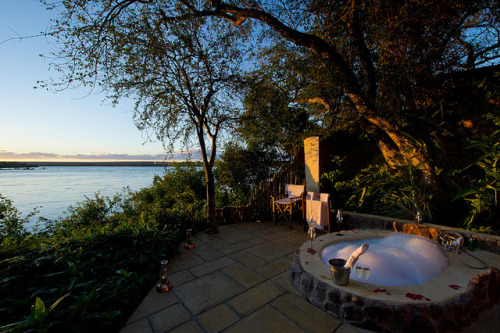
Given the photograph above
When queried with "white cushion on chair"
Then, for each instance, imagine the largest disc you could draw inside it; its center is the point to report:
(295, 190)
(287, 201)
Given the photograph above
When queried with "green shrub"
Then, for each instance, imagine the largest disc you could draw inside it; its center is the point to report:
(382, 190)
(88, 271)
(175, 201)
(482, 192)
(100, 278)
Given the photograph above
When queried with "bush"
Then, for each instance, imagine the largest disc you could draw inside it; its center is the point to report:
(176, 201)
(88, 271)
(95, 281)
(482, 192)
(11, 224)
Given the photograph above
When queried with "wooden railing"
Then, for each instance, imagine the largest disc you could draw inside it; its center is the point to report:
(260, 204)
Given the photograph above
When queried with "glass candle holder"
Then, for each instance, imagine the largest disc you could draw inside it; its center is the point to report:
(189, 243)
(340, 218)
(163, 285)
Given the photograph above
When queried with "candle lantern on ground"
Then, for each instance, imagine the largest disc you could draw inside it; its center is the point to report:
(163, 285)
(189, 243)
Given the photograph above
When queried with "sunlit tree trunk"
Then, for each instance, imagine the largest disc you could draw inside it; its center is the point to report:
(208, 163)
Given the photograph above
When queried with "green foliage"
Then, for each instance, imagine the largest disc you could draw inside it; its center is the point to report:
(175, 201)
(482, 194)
(101, 279)
(97, 211)
(96, 264)
(336, 183)
(391, 192)
(238, 171)
(272, 119)
(11, 224)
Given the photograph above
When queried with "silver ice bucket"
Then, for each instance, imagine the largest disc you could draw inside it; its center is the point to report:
(340, 273)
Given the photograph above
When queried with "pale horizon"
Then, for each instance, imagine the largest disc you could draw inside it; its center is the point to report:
(6, 156)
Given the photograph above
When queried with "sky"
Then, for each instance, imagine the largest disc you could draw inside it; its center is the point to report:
(40, 125)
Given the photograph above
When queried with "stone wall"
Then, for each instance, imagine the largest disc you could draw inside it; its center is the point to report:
(353, 220)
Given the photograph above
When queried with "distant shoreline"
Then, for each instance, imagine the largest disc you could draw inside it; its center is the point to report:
(10, 165)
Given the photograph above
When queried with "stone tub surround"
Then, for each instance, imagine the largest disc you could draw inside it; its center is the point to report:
(455, 298)
(355, 220)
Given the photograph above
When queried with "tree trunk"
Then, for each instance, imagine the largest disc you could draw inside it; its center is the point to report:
(411, 154)
(210, 186)
(208, 164)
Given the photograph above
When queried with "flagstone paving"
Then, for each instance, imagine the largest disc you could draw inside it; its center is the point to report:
(239, 281)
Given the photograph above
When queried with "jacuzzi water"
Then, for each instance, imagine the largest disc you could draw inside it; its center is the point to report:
(397, 260)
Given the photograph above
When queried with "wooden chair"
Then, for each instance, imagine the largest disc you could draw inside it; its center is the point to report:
(318, 210)
(293, 201)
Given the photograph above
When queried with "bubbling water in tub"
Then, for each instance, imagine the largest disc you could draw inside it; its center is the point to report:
(397, 260)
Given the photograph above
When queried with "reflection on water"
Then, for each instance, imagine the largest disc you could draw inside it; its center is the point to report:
(55, 188)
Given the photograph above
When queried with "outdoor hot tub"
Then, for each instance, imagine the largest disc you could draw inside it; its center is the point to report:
(449, 290)
(396, 260)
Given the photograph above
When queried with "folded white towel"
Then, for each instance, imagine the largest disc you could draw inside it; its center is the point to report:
(317, 213)
(355, 255)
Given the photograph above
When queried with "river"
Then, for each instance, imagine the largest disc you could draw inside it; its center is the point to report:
(53, 189)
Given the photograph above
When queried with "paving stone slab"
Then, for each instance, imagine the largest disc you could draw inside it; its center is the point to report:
(214, 240)
(243, 275)
(272, 233)
(247, 259)
(304, 314)
(257, 240)
(218, 318)
(255, 297)
(178, 278)
(211, 266)
(275, 267)
(266, 319)
(184, 260)
(140, 326)
(270, 251)
(233, 248)
(293, 241)
(489, 322)
(169, 318)
(235, 236)
(284, 281)
(153, 302)
(188, 327)
(207, 252)
(204, 292)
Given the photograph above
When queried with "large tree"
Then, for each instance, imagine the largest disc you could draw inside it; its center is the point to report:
(182, 74)
(380, 52)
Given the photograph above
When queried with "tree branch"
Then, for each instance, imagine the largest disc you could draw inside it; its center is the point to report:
(315, 100)
(360, 46)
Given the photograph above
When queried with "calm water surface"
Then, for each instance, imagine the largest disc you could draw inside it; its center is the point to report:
(53, 189)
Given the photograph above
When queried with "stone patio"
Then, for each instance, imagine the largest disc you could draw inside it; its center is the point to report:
(239, 281)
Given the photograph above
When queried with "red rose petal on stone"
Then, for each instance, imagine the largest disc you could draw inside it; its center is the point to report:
(378, 290)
